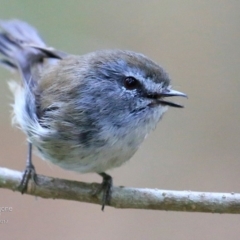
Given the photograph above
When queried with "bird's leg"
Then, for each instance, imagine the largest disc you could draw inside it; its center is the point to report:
(106, 188)
(29, 171)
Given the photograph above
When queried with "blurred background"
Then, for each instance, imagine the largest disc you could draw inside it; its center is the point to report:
(196, 148)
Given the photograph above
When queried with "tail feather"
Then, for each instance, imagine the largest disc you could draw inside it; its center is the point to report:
(8, 64)
(7, 46)
(22, 32)
(23, 48)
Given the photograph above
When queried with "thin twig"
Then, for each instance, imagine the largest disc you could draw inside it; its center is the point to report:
(125, 197)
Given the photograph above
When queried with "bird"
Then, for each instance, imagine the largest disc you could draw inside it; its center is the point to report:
(87, 113)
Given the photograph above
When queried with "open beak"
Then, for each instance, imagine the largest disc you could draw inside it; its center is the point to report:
(170, 93)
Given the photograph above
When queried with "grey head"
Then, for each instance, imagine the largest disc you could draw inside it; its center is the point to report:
(126, 86)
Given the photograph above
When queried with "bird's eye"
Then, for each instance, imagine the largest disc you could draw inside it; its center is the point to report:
(131, 83)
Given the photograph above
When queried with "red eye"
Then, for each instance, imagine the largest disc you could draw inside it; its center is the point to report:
(131, 83)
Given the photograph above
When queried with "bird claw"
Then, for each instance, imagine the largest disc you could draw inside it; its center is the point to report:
(106, 189)
(29, 173)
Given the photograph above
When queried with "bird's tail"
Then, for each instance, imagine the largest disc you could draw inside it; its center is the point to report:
(23, 49)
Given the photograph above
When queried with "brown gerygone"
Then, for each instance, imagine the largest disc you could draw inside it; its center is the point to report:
(84, 113)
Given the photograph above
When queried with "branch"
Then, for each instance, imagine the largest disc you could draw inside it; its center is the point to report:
(124, 197)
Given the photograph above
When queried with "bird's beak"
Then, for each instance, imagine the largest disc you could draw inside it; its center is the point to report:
(170, 93)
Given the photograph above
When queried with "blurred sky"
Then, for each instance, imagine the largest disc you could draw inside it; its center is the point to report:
(196, 148)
